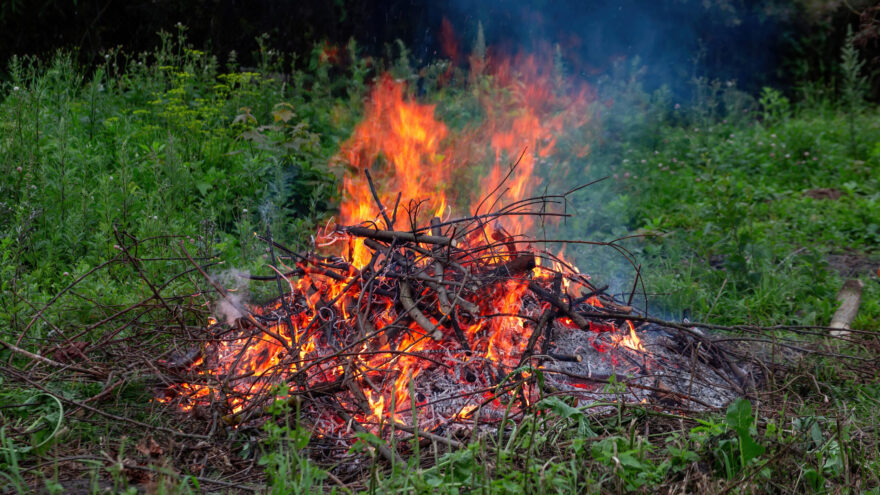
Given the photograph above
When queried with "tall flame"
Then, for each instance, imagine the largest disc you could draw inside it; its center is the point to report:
(409, 151)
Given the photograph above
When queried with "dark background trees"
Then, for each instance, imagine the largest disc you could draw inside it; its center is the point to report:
(754, 42)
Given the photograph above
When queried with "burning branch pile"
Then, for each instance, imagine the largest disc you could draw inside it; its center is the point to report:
(442, 319)
(409, 319)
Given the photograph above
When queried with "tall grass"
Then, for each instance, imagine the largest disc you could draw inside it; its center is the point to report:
(156, 144)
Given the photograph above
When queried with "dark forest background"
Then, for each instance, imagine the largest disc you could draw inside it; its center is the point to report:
(754, 42)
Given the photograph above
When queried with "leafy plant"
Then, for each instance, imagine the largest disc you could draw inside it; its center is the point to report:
(774, 105)
(739, 418)
(285, 455)
(853, 85)
(629, 461)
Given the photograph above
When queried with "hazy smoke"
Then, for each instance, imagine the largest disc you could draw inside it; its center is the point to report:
(229, 308)
(674, 40)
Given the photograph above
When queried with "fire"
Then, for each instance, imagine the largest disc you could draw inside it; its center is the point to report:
(406, 137)
(436, 170)
(409, 151)
(506, 342)
(543, 110)
(631, 340)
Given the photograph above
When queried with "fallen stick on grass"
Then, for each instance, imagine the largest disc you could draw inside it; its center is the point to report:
(850, 296)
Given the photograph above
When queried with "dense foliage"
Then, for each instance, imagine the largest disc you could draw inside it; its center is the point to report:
(746, 204)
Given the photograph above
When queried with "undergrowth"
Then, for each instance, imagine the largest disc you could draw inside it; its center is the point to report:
(741, 203)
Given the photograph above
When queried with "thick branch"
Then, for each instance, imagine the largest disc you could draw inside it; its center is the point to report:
(392, 235)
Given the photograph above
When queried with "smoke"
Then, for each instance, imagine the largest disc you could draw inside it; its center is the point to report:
(676, 41)
(643, 58)
(230, 308)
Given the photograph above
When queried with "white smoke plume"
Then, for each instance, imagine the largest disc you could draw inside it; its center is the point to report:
(229, 309)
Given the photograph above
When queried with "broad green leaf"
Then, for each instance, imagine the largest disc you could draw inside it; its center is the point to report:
(750, 449)
(739, 415)
(739, 419)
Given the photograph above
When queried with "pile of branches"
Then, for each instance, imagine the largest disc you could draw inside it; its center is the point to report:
(415, 299)
(341, 337)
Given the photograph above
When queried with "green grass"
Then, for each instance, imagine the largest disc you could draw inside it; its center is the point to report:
(169, 143)
(728, 205)
(151, 145)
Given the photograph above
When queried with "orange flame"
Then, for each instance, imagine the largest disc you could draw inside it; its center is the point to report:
(631, 340)
(408, 150)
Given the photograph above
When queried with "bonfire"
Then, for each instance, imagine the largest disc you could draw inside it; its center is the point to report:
(406, 316)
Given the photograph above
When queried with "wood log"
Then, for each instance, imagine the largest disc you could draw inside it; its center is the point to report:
(409, 305)
(445, 305)
(850, 296)
(565, 358)
(561, 305)
(524, 262)
(391, 236)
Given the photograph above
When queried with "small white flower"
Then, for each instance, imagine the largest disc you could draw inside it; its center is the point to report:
(787, 155)
(806, 153)
(644, 161)
(773, 136)
(244, 210)
(772, 145)
(18, 169)
(15, 88)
